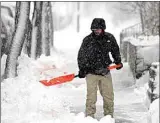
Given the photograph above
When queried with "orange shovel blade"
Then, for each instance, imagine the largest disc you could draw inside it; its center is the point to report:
(66, 78)
(58, 80)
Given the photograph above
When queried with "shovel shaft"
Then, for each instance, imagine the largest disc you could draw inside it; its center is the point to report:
(75, 76)
(114, 66)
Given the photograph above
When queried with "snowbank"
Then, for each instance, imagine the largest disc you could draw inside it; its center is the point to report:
(150, 54)
(140, 52)
(153, 114)
(143, 40)
(24, 95)
(150, 92)
(147, 47)
(143, 83)
(26, 100)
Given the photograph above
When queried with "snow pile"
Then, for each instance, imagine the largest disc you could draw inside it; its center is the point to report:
(53, 66)
(147, 49)
(143, 86)
(142, 91)
(143, 80)
(24, 96)
(150, 54)
(146, 91)
(26, 100)
(143, 40)
(153, 114)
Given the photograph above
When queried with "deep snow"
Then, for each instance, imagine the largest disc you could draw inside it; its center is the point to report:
(143, 87)
(26, 100)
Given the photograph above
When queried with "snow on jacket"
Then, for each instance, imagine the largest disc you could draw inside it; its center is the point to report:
(94, 51)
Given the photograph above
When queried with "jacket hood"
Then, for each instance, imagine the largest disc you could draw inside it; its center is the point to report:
(98, 23)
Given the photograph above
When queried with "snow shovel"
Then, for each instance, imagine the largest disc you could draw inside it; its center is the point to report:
(67, 78)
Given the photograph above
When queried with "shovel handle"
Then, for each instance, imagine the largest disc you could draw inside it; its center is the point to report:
(75, 76)
(110, 68)
(114, 66)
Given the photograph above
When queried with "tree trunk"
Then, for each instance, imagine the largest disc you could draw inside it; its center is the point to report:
(45, 29)
(22, 12)
(0, 32)
(158, 28)
(141, 17)
(51, 28)
(17, 13)
(36, 43)
(78, 16)
(27, 42)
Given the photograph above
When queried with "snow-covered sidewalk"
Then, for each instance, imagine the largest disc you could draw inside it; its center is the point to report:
(129, 107)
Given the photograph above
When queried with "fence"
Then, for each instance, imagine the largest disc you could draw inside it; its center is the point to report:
(132, 31)
(150, 27)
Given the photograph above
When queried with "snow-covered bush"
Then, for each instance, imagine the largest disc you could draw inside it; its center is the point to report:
(153, 90)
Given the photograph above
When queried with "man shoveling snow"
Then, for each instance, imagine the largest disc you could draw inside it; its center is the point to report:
(93, 60)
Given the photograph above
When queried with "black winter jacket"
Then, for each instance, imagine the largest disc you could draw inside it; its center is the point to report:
(94, 52)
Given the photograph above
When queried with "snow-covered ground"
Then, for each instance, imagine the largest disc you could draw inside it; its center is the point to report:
(25, 100)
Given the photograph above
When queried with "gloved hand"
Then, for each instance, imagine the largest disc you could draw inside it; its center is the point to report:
(81, 74)
(118, 68)
(102, 71)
